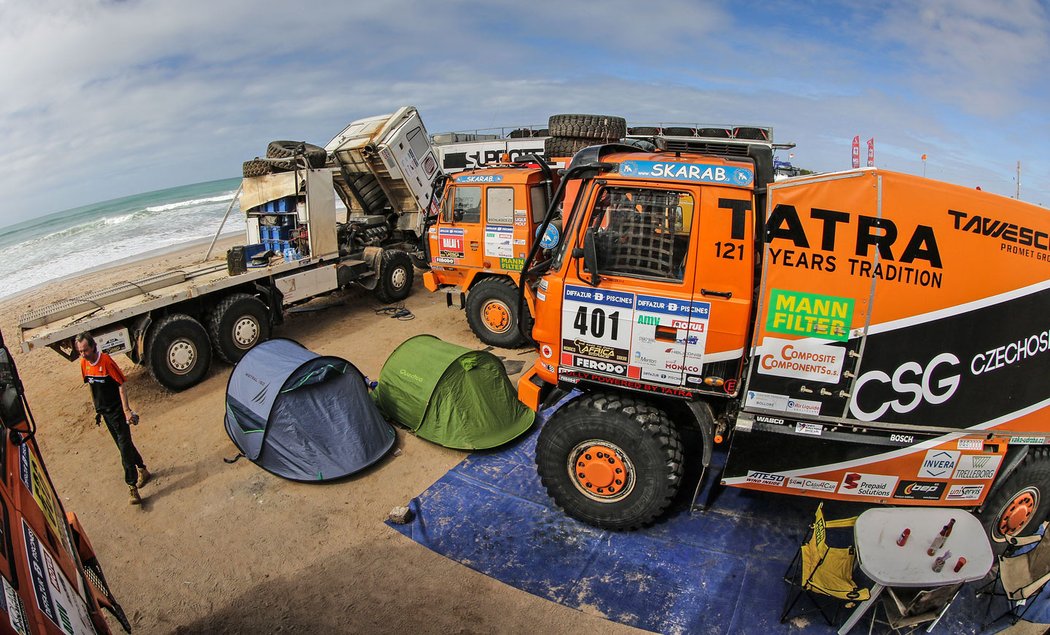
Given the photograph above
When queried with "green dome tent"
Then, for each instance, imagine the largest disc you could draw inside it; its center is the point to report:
(451, 395)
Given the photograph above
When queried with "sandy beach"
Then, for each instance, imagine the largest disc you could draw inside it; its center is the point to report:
(229, 548)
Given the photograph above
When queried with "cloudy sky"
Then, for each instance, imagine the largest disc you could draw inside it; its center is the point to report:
(103, 99)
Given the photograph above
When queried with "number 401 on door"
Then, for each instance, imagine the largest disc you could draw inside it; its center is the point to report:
(596, 323)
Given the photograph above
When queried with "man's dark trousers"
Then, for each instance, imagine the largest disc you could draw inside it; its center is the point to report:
(129, 455)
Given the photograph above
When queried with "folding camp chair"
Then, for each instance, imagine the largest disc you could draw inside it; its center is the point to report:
(818, 569)
(909, 609)
(1021, 576)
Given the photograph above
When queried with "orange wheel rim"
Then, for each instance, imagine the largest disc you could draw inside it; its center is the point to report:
(496, 316)
(601, 471)
(1018, 512)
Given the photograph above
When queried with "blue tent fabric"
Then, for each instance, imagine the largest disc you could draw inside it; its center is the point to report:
(718, 571)
(303, 416)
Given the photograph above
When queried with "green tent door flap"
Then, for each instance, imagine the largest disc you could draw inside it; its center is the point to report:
(451, 395)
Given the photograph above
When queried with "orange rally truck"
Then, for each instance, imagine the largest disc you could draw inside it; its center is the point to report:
(866, 336)
(478, 241)
(51, 581)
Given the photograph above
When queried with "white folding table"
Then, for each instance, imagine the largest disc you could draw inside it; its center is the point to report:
(889, 565)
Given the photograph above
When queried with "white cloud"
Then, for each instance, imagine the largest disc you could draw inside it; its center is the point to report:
(106, 99)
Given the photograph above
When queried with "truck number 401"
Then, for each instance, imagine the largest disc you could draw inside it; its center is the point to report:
(596, 322)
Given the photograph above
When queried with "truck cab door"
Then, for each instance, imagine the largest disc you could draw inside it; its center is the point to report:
(457, 236)
(628, 285)
(723, 290)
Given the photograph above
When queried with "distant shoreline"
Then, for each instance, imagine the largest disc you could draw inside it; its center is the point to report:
(168, 250)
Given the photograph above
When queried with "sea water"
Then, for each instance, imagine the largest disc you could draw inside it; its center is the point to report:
(54, 246)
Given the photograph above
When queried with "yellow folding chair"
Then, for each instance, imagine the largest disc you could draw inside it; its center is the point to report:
(819, 569)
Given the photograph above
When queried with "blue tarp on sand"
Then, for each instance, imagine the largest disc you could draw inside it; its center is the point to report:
(714, 572)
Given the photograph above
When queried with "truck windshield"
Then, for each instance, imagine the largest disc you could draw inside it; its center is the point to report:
(642, 232)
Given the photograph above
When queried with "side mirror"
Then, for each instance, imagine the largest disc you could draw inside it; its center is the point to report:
(12, 409)
(590, 256)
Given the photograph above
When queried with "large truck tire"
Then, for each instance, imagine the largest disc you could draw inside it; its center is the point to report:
(677, 131)
(644, 130)
(178, 352)
(492, 313)
(316, 156)
(610, 461)
(603, 127)
(256, 167)
(395, 276)
(564, 146)
(1021, 503)
(236, 324)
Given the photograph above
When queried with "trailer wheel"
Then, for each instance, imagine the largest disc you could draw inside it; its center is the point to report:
(610, 461)
(1021, 503)
(178, 352)
(492, 313)
(604, 127)
(236, 324)
(395, 276)
(316, 156)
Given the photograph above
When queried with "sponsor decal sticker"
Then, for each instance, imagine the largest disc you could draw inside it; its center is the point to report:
(800, 359)
(964, 492)
(450, 242)
(445, 261)
(814, 429)
(499, 241)
(920, 490)
(974, 467)
(766, 400)
(809, 314)
(803, 407)
(938, 463)
(970, 444)
(816, 485)
(1024, 441)
(857, 484)
(765, 478)
(511, 264)
(479, 178)
(902, 438)
(694, 172)
(546, 351)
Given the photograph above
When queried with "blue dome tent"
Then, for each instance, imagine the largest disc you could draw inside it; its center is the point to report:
(303, 416)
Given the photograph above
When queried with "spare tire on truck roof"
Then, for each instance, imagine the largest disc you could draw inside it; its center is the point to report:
(604, 127)
(316, 156)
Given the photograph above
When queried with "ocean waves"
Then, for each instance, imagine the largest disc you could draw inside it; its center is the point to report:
(67, 243)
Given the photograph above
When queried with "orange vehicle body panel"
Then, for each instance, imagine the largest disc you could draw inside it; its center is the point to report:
(894, 340)
(495, 232)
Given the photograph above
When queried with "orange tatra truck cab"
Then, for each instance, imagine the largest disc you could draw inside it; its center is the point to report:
(865, 336)
(50, 580)
(484, 229)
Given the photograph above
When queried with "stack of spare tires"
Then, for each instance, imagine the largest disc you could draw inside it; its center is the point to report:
(284, 156)
(571, 133)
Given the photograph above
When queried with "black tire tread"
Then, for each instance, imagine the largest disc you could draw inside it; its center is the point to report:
(605, 127)
(1037, 464)
(384, 292)
(316, 156)
(203, 355)
(654, 423)
(215, 319)
(495, 287)
(256, 167)
(564, 146)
